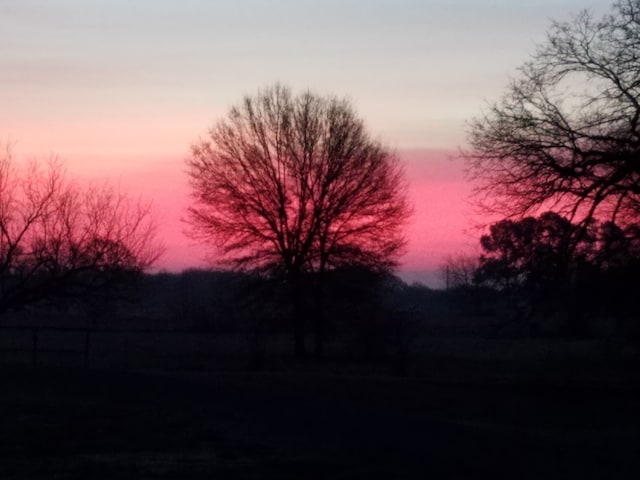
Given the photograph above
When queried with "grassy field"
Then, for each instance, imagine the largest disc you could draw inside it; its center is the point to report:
(73, 423)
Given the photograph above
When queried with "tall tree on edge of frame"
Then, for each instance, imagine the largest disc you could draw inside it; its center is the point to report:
(566, 134)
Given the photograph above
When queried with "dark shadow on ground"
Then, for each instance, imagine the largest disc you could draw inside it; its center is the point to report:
(90, 424)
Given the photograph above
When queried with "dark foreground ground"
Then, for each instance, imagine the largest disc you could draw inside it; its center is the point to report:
(84, 424)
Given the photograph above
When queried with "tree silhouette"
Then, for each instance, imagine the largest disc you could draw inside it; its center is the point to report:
(565, 136)
(294, 185)
(551, 265)
(458, 270)
(57, 239)
(533, 254)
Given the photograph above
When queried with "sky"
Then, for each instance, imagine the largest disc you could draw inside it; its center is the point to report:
(119, 90)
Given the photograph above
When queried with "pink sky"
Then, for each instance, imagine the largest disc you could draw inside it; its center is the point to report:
(144, 154)
(119, 89)
(437, 190)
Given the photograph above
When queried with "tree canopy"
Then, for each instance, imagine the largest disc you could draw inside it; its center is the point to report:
(534, 253)
(295, 183)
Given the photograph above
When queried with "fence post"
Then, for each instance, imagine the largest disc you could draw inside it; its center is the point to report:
(126, 351)
(87, 334)
(34, 348)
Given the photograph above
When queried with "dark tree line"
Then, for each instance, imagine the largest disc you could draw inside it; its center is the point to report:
(546, 265)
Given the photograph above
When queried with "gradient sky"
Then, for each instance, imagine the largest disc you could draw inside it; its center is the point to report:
(120, 89)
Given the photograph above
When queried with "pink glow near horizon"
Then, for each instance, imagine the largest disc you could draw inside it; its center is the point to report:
(150, 164)
(436, 187)
(441, 212)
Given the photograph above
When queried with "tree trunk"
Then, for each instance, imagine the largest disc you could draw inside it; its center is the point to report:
(319, 325)
(576, 323)
(576, 315)
(299, 350)
(319, 314)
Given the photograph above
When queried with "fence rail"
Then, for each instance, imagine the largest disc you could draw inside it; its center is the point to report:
(203, 350)
(35, 341)
(164, 348)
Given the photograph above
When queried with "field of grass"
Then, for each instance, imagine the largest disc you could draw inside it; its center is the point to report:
(80, 424)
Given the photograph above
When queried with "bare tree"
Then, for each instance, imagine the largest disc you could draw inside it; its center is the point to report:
(458, 270)
(294, 184)
(57, 239)
(565, 136)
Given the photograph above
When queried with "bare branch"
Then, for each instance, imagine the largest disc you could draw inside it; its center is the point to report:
(294, 182)
(59, 239)
(565, 135)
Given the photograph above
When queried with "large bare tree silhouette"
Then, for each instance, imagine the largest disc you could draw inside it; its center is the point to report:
(294, 185)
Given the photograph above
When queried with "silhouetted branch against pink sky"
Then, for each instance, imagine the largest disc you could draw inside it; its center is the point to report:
(120, 90)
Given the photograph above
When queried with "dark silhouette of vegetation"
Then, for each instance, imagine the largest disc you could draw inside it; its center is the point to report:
(533, 253)
(293, 186)
(618, 259)
(546, 264)
(565, 136)
(59, 241)
(457, 271)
